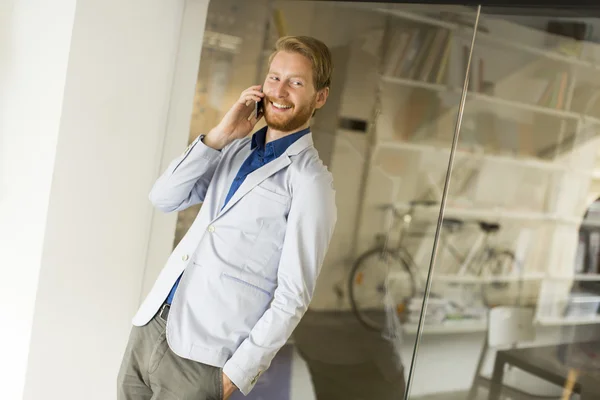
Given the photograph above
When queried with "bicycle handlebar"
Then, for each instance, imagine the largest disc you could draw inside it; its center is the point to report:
(485, 226)
(427, 203)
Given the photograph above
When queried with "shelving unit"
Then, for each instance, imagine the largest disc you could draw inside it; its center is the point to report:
(406, 15)
(490, 99)
(561, 219)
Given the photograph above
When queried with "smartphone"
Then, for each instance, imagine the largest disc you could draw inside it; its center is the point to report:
(258, 107)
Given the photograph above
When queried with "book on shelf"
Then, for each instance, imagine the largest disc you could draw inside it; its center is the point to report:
(558, 85)
(443, 62)
(433, 54)
(398, 43)
(419, 53)
(417, 65)
(568, 36)
(593, 253)
(476, 71)
(525, 136)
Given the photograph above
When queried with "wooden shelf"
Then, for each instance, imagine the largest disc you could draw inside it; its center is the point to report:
(564, 321)
(414, 83)
(512, 278)
(418, 18)
(576, 277)
(494, 214)
(473, 96)
(526, 162)
(590, 224)
(450, 278)
(554, 55)
(523, 106)
(448, 327)
(486, 279)
(473, 326)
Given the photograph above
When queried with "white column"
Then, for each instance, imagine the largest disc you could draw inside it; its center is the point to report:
(87, 96)
(35, 38)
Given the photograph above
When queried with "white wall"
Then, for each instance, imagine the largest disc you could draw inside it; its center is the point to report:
(86, 92)
(162, 227)
(35, 38)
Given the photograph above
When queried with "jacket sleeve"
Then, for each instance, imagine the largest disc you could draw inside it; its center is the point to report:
(186, 179)
(310, 225)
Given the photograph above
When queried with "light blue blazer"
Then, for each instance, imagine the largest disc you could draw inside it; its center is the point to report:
(250, 267)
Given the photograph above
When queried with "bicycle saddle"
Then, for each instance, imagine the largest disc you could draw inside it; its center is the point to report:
(489, 227)
(452, 223)
(426, 203)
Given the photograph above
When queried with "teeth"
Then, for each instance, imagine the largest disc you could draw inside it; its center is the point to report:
(281, 105)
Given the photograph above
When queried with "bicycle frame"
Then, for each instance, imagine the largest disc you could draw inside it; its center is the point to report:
(478, 252)
(474, 253)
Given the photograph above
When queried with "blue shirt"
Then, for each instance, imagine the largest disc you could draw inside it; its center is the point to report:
(261, 155)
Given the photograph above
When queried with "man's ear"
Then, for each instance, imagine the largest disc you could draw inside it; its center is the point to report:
(322, 97)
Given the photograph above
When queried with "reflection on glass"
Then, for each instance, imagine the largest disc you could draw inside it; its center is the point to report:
(385, 135)
(515, 297)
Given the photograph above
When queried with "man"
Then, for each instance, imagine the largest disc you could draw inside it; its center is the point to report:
(238, 283)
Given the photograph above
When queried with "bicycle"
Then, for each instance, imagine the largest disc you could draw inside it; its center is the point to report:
(386, 270)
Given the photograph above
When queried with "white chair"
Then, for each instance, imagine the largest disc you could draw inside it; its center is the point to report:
(508, 327)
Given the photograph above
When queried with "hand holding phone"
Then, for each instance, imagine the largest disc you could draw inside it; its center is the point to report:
(239, 121)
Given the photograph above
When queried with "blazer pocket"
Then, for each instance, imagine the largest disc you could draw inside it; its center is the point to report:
(269, 194)
(247, 284)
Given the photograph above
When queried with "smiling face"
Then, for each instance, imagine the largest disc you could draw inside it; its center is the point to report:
(290, 95)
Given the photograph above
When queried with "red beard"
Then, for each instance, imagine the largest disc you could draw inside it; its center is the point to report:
(290, 120)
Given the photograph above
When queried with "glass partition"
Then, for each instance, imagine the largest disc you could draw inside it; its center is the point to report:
(515, 289)
(393, 64)
(385, 134)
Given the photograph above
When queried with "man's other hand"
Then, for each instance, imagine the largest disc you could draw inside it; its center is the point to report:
(228, 387)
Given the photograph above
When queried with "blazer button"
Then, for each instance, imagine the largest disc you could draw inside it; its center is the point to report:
(185, 257)
(211, 229)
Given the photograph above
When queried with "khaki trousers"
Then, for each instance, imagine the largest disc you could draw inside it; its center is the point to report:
(151, 371)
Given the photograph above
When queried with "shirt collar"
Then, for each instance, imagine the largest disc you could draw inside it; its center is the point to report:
(279, 146)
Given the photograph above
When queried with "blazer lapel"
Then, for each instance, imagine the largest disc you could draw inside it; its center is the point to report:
(255, 178)
(266, 171)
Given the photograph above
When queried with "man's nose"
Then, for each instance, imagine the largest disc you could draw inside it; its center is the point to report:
(279, 90)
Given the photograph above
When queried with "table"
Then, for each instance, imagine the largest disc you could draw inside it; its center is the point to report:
(553, 364)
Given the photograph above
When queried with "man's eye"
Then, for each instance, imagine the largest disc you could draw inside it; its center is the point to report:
(297, 83)
(274, 78)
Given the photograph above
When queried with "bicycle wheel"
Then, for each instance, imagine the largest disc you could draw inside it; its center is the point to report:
(497, 267)
(375, 274)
